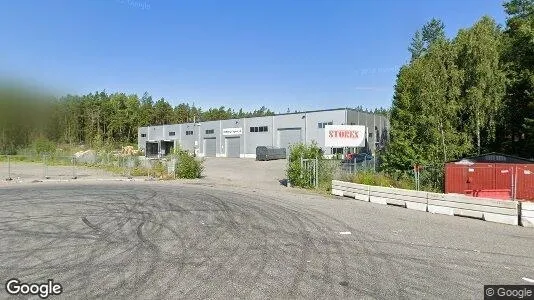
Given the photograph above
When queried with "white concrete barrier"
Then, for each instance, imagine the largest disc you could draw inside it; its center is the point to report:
(405, 198)
(351, 190)
(527, 214)
(500, 211)
(492, 210)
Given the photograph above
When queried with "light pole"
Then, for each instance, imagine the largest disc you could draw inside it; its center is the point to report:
(305, 131)
(196, 126)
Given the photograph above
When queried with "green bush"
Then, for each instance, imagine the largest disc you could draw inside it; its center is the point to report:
(296, 175)
(326, 170)
(159, 169)
(42, 146)
(188, 166)
(402, 181)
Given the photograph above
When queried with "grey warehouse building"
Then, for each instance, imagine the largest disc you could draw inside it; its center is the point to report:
(240, 137)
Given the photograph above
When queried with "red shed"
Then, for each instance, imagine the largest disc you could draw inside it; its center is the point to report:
(491, 175)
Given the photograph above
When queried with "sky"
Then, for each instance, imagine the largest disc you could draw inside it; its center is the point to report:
(282, 54)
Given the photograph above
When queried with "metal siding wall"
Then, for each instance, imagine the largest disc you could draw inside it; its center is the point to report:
(490, 177)
(503, 176)
(370, 129)
(525, 182)
(172, 128)
(288, 121)
(483, 176)
(254, 139)
(455, 179)
(141, 141)
(188, 141)
(249, 141)
(369, 120)
(209, 125)
(314, 133)
(232, 123)
(155, 133)
(288, 137)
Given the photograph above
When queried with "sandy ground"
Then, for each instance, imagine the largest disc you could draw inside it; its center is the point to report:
(245, 172)
(23, 172)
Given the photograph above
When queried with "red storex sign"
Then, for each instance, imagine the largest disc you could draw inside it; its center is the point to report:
(348, 134)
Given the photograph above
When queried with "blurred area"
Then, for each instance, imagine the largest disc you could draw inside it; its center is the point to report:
(28, 115)
(35, 120)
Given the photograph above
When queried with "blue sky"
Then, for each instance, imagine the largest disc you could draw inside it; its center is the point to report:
(296, 54)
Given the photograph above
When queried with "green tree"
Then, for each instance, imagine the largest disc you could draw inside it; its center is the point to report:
(479, 50)
(146, 110)
(162, 113)
(518, 56)
(431, 32)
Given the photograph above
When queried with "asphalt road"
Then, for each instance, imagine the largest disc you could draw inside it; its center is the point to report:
(150, 240)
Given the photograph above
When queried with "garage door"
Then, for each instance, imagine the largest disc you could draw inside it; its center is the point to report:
(287, 137)
(233, 147)
(210, 147)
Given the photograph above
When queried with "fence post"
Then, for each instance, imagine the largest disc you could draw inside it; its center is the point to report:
(301, 167)
(130, 163)
(512, 188)
(316, 171)
(416, 176)
(514, 191)
(9, 168)
(74, 168)
(44, 167)
(418, 179)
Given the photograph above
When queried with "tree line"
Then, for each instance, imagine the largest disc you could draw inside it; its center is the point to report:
(95, 119)
(465, 95)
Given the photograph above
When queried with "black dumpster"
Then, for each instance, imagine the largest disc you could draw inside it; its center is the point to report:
(270, 153)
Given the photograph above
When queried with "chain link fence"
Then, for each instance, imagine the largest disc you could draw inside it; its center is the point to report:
(495, 181)
(424, 178)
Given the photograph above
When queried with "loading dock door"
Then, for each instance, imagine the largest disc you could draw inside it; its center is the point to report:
(288, 137)
(210, 147)
(233, 147)
(167, 147)
(151, 149)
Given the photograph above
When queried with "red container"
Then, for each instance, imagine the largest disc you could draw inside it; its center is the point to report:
(525, 182)
(495, 180)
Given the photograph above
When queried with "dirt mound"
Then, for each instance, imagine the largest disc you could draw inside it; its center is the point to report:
(129, 151)
(88, 156)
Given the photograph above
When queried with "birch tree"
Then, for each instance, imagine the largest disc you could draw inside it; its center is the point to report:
(483, 87)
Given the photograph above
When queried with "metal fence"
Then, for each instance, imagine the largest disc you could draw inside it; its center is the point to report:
(353, 167)
(50, 167)
(492, 181)
(310, 171)
(430, 178)
(426, 178)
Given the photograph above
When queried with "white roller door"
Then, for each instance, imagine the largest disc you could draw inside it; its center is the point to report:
(288, 137)
(233, 146)
(210, 147)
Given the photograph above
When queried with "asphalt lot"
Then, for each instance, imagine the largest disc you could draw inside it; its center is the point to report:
(165, 240)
